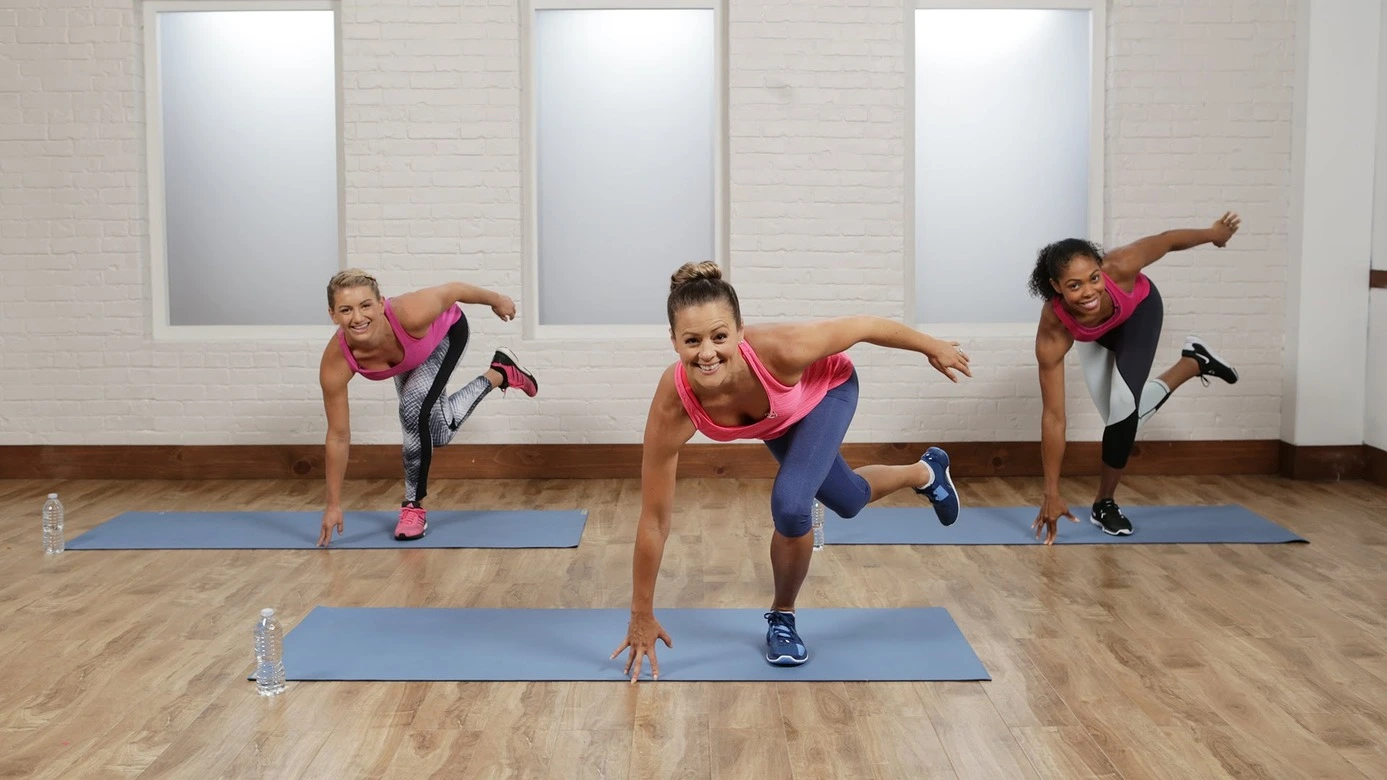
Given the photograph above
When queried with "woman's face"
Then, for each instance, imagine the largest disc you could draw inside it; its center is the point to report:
(706, 338)
(1081, 284)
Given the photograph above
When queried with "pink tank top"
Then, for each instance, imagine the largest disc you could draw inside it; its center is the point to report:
(416, 350)
(1123, 304)
(789, 403)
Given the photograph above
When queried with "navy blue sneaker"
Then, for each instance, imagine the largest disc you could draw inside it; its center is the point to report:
(783, 645)
(941, 492)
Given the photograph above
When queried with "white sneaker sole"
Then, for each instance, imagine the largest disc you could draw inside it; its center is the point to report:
(1094, 520)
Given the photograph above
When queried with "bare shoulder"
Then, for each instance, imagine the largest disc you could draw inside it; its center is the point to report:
(416, 311)
(766, 338)
(1123, 263)
(333, 371)
(1052, 340)
(770, 339)
(784, 347)
(668, 423)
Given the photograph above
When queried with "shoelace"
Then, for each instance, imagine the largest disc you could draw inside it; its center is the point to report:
(780, 628)
(1109, 510)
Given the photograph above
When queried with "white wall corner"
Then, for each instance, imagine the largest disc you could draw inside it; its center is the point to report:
(1334, 134)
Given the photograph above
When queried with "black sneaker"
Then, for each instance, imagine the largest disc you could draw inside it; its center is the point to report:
(1108, 517)
(1209, 363)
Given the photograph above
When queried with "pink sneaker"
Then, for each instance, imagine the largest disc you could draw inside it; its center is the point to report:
(512, 374)
(412, 523)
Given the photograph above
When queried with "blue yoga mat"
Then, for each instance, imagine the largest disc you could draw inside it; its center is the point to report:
(299, 530)
(1226, 524)
(438, 644)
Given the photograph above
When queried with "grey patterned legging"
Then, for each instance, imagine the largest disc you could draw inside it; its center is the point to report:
(428, 416)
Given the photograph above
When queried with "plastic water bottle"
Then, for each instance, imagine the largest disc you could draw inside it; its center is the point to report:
(818, 518)
(52, 525)
(269, 654)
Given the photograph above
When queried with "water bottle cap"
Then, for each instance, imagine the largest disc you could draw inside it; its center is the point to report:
(52, 495)
(267, 612)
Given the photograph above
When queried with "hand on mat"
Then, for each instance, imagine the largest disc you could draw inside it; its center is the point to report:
(640, 637)
(1050, 513)
(946, 357)
(504, 308)
(332, 518)
(1224, 228)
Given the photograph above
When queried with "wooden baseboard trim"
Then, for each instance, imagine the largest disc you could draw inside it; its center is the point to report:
(1376, 467)
(600, 461)
(1377, 279)
(1323, 463)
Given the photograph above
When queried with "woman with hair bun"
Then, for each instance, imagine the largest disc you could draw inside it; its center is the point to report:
(791, 386)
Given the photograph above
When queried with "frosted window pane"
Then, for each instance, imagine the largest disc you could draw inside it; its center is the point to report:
(624, 123)
(250, 165)
(1001, 150)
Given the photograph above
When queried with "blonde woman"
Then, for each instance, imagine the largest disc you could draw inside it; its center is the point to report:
(416, 339)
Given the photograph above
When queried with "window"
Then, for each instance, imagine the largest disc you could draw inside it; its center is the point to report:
(245, 192)
(1008, 149)
(624, 159)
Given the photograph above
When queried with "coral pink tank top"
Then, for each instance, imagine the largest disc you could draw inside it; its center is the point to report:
(1123, 304)
(416, 350)
(789, 403)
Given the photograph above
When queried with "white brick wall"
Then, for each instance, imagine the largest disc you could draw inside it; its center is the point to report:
(1199, 107)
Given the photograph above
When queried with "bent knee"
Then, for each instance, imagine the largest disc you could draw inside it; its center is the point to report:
(791, 515)
(846, 512)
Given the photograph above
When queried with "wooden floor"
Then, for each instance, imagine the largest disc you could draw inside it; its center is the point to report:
(1108, 662)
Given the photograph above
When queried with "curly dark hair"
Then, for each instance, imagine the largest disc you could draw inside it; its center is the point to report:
(1054, 258)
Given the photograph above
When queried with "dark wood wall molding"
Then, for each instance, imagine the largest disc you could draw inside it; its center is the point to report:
(1323, 463)
(1377, 278)
(598, 461)
(1376, 469)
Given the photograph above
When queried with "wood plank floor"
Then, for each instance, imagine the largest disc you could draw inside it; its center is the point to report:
(1108, 662)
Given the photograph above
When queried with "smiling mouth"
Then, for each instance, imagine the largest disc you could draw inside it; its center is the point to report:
(709, 368)
(359, 328)
(1089, 305)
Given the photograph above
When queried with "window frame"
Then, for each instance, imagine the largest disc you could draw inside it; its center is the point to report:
(1097, 127)
(163, 329)
(529, 315)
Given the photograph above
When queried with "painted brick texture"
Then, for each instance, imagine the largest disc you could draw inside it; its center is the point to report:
(1198, 119)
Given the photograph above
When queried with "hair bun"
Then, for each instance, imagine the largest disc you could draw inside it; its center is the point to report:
(692, 272)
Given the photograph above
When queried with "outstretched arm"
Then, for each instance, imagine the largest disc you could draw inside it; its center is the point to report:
(1143, 252)
(1052, 342)
(793, 347)
(417, 310)
(333, 375)
(667, 428)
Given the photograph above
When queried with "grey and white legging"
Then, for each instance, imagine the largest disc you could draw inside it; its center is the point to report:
(428, 415)
(1116, 367)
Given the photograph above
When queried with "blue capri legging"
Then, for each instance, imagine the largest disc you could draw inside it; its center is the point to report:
(811, 466)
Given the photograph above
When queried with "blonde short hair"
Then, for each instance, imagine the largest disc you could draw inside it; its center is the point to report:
(352, 277)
